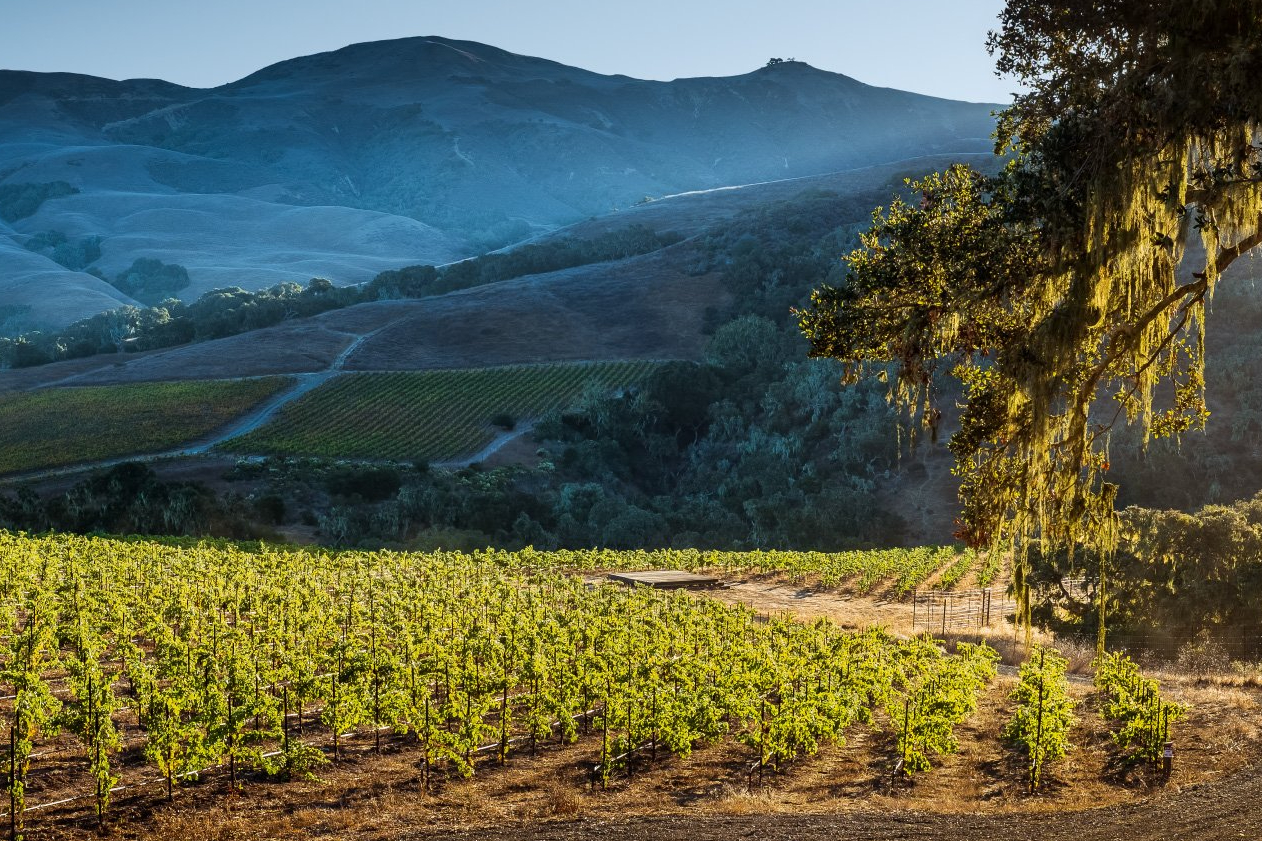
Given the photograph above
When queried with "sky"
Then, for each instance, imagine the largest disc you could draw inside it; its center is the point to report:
(934, 47)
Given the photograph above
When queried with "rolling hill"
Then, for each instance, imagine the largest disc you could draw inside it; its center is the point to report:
(650, 306)
(420, 150)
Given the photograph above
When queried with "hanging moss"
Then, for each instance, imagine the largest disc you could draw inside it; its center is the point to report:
(1068, 294)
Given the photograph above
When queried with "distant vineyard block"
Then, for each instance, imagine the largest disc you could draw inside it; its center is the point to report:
(666, 579)
(429, 415)
(60, 426)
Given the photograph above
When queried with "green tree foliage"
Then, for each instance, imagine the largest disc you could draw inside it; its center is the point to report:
(18, 201)
(128, 499)
(763, 453)
(528, 259)
(218, 313)
(1218, 465)
(755, 448)
(150, 281)
(1073, 274)
(771, 257)
(1175, 577)
(370, 483)
(74, 255)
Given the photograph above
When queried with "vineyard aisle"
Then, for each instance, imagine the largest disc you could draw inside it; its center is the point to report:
(305, 383)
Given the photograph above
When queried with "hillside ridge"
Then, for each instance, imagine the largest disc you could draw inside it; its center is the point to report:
(384, 154)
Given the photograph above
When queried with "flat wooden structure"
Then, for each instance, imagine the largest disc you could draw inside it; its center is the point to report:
(666, 579)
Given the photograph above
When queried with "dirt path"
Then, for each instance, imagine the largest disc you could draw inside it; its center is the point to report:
(501, 441)
(1211, 812)
(808, 603)
(252, 420)
(264, 413)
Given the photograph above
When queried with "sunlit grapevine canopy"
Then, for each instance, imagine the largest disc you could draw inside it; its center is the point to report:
(1068, 292)
(122, 658)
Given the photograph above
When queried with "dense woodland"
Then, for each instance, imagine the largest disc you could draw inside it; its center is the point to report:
(1180, 581)
(18, 201)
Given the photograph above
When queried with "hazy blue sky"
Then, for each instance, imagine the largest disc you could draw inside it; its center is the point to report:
(930, 46)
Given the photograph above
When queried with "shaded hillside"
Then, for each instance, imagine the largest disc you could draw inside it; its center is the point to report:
(699, 211)
(420, 150)
(754, 446)
(34, 290)
(650, 306)
(643, 308)
(747, 445)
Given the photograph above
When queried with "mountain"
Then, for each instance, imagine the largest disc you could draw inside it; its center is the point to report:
(379, 155)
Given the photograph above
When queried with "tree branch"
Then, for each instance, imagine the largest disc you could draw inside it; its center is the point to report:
(1114, 348)
(1227, 256)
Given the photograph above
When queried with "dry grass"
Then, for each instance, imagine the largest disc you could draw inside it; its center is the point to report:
(366, 796)
(778, 594)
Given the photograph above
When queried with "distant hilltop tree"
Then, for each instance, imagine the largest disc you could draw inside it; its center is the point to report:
(772, 62)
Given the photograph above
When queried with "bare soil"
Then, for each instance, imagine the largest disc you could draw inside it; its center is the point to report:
(1206, 813)
(843, 792)
(520, 451)
(803, 597)
(295, 347)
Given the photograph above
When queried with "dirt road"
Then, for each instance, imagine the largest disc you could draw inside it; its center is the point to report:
(252, 420)
(1211, 812)
(264, 413)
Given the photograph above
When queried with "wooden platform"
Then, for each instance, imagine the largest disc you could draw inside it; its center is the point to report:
(666, 579)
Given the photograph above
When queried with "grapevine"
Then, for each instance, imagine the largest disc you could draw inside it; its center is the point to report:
(1044, 713)
(937, 696)
(172, 660)
(1135, 705)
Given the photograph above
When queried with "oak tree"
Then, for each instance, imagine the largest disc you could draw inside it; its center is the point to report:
(1068, 292)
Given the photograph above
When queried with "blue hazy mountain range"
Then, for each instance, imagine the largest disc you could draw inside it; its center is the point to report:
(393, 153)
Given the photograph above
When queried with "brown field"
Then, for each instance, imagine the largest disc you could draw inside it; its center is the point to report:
(642, 308)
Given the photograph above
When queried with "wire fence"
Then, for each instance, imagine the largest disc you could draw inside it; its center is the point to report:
(990, 613)
(944, 611)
